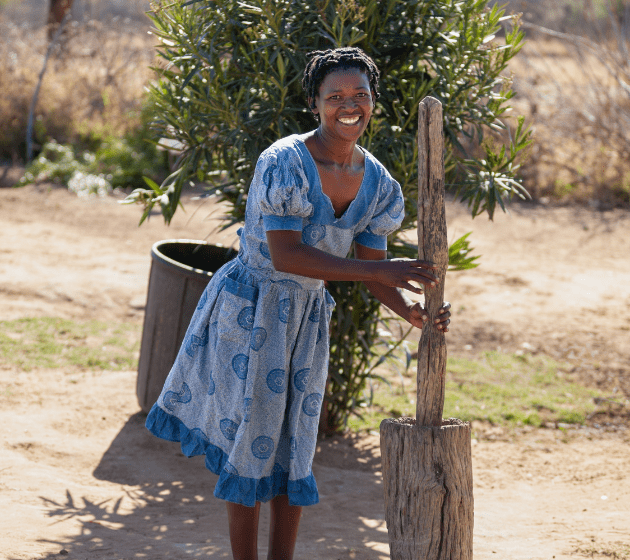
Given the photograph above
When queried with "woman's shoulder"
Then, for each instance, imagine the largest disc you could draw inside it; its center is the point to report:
(285, 149)
(382, 175)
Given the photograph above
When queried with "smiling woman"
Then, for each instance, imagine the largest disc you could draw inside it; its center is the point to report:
(344, 106)
(344, 97)
(254, 363)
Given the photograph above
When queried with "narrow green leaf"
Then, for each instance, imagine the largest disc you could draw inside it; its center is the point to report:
(154, 186)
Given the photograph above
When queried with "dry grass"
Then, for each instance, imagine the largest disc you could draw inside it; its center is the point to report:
(572, 82)
(580, 116)
(579, 111)
(94, 82)
(617, 550)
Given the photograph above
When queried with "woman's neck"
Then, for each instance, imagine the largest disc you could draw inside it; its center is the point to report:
(334, 150)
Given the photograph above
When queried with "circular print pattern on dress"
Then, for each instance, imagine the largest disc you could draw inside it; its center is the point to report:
(314, 314)
(312, 404)
(292, 447)
(171, 398)
(313, 234)
(195, 341)
(268, 175)
(228, 428)
(275, 380)
(262, 447)
(259, 335)
(300, 378)
(283, 310)
(246, 318)
(289, 284)
(230, 468)
(395, 209)
(239, 365)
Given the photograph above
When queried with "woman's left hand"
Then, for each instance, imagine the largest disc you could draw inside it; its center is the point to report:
(418, 314)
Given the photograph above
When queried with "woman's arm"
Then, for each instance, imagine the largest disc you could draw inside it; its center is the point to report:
(289, 254)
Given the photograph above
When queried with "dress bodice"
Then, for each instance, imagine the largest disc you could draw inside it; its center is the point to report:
(286, 193)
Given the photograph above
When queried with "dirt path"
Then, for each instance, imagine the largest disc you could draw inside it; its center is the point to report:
(78, 473)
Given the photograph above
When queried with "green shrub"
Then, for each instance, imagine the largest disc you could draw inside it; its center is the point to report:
(96, 165)
(56, 163)
(231, 86)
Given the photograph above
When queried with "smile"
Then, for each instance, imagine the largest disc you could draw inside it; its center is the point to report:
(349, 120)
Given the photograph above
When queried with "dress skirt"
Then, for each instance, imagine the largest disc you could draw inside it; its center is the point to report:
(248, 382)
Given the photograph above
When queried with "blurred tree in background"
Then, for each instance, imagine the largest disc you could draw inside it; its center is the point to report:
(231, 86)
(57, 11)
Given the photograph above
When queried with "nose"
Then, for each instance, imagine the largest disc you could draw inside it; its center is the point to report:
(349, 102)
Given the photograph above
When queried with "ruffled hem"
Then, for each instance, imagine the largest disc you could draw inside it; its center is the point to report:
(231, 487)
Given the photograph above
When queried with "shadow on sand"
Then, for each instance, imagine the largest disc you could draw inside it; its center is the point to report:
(161, 505)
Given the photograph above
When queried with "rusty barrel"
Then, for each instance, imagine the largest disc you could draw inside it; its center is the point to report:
(180, 271)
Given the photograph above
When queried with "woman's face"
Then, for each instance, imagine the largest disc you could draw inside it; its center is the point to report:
(344, 103)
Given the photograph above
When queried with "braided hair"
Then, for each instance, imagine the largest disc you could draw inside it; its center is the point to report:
(322, 63)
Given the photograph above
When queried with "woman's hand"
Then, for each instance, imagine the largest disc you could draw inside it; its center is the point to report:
(398, 273)
(418, 315)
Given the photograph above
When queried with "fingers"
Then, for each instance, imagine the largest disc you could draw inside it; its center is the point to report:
(418, 312)
(420, 268)
(443, 313)
(443, 326)
(417, 262)
(428, 280)
(400, 272)
(419, 316)
(425, 264)
(418, 319)
(442, 317)
(442, 321)
(411, 288)
(423, 276)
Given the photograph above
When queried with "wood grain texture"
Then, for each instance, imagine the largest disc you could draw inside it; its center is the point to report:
(427, 462)
(427, 477)
(432, 246)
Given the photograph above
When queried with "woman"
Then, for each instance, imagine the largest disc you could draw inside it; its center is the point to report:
(247, 386)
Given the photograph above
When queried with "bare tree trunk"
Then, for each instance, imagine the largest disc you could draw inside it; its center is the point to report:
(57, 11)
(427, 479)
(31, 111)
(427, 461)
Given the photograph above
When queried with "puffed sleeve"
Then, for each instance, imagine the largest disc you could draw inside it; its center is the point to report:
(282, 189)
(388, 214)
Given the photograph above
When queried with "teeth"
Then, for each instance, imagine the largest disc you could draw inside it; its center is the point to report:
(349, 120)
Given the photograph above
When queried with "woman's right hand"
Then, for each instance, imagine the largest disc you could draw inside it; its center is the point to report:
(399, 273)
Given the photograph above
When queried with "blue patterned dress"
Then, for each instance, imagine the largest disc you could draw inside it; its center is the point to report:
(247, 385)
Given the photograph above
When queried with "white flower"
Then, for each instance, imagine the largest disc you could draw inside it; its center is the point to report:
(85, 184)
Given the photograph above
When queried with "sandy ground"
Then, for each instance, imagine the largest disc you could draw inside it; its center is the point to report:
(80, 478)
